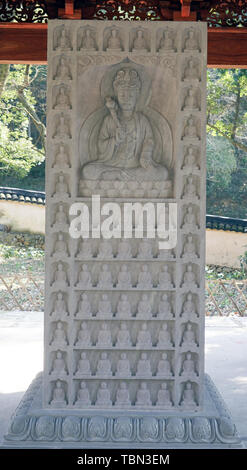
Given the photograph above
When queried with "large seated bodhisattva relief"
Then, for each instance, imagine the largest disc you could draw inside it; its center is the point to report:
(125, 140)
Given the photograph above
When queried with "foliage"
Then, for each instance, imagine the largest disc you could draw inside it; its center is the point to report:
(227, 142)
(22, 134)
(22, 119)
(221, 161)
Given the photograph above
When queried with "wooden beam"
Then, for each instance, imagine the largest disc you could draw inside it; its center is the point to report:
(185, 8)
(26, 43)
(227, 47)
(22, 43)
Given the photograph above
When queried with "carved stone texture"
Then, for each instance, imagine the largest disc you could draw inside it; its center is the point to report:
(126, 114)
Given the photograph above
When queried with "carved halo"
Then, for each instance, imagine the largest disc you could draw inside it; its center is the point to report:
(163, 151)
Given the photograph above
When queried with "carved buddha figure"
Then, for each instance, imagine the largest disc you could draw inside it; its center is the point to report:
(83, 397)
(164, 308)
(144, 337)
(124, 278)
(60, 247)
(84, 277)
(164, 337)
(188, 398)
(105, 249)
(122, 396)
(189, 305)
(164, 366)
(58, 396)
(189, 247)
(166, 42)
(190, 219)
(144, 308)
(190, 158)
(165, 279)
(190, 187)
(105, 277)
(143, 367)
(104, 365)
(189, 277)
(104, 306)
(123, 307)
(60, 276)
(190, 130)
(60, 217)
(63, 41)
(62, 100)
(83, 366)
(84, 307)
(139, 42)
(114, 42)
(190, 100)
(144, 278)
(189, 339)
(61, 158)
(85, 248)
(83, 337)
(124, 249)
(62, 129)
(143, 396)
(63, 70)
(125, 140)
(164, 396)
(145, 249)
(123, 366)
(123, 337)
(191, 71)
(61, 187)
(88, 41)
(104, 337)
(188, 365)
(60, 305)
(59, 366)
(103, 395)
(191, 43)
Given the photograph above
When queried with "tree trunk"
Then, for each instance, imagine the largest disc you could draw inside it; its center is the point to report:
(4, 71)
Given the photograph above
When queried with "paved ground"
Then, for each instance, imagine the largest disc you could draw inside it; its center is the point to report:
(21, 351)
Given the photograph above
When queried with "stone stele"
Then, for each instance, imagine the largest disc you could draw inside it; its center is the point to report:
(124, 320)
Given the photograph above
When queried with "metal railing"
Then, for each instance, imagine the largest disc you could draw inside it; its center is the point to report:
(25, 292)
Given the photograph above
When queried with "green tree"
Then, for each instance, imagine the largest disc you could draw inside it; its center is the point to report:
(227, 142)
(22, 119)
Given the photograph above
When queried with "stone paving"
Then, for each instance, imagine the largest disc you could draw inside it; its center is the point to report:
(21, 358)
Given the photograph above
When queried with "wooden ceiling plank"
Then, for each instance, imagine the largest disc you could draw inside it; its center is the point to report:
(26, 43)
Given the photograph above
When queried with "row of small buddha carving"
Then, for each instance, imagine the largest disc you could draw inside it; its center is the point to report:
(103, 396)
(62, 161)
(105, 249)
(124, 279)
(124, 308)
(104, 367)
(190, 132)
(122, 337)
(61, 221)
(114, 41)
(62, 99)
(190, 73)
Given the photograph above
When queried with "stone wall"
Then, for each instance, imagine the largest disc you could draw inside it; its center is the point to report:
(223, 248)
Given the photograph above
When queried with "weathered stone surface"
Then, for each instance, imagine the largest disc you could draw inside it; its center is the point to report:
(124, 320)
(33, 426)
